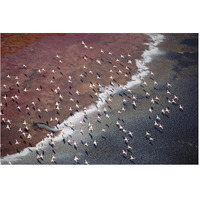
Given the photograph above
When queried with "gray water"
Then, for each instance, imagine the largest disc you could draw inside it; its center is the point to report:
(176, 144)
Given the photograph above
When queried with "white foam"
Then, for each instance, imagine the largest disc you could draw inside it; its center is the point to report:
(147, 57)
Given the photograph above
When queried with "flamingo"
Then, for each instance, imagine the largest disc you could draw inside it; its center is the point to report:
(124, 152)
(76, 159)
(158, 118)
(126, 139)
(95, 143)
(157, 98)
(169, 85)
(132, 158)
(129, 147)
(180, 107)
(155, 123)
(16, 142)
(130, 133)
(53, 159)
(175, 97)
(168, 92)
(147, 133)
(152, 101)
(150, 110)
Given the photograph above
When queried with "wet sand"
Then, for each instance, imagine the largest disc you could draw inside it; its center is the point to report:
(40, 52)
(177, 63)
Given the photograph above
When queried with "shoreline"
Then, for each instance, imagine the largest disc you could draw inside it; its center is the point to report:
(6, 148)
(145, 57)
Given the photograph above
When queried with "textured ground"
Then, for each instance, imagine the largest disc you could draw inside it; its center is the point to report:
(38, 51)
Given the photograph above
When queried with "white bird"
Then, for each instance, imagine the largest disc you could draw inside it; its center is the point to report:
(18, 107)
(86, 144)
(147, 133)
(76, 159)
(152, 73)
(160, 126)
(8, 127)
(102, 51)
(168, 92)
(86, 162)
(180, 107)
(134, 103)
(150, 110)
(130, 133)
(8, 76)
(129, 61)
(152, 101)
(167, 110)
(16, 142)
(129, 147)
(98, 61)
(147, 94)
(132, 158)
(155, 83)
(155, 123)
(134, 97)
(77, 92)
(126, 139)
(53, 158)
(29, 136)
(169, 85)
(169, 101)
(157, 98)
(158, 118)
(124, 152)
(95, 143)
(175, 97)
(151, 139)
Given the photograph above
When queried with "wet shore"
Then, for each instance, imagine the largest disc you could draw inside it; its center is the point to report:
(32, 66)
(176, 63)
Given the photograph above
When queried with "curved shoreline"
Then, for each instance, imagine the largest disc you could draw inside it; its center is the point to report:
(146, 58)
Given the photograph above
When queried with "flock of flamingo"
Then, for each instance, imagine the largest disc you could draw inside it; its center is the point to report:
(126, 152)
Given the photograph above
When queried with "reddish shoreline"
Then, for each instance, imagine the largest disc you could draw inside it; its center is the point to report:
(39, 51)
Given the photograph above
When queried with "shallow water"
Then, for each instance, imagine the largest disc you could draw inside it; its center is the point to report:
(176, 144)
